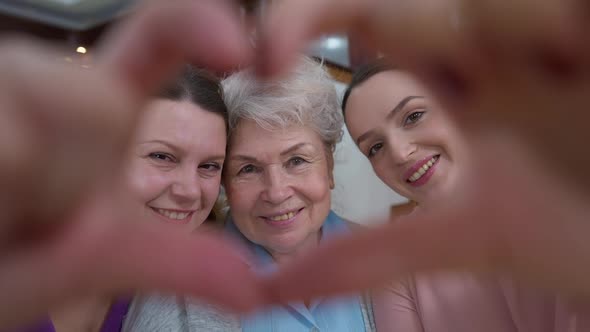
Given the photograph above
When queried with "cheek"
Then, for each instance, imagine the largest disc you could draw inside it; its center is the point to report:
(315, 189)
(380, 162)
(455, 144)
(320, 197)
(443, 133)
(241, 197)
(383, 172)
(210, 190)
(388, 175)
(318, 190)
(146, 183)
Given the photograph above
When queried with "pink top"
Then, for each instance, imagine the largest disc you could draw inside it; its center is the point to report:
(458, 302)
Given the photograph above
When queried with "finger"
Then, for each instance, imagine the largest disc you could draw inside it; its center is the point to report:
(151, 45)
(416, 35)
(533, 107)
(125, 253)
(522, 25)
(204, 266)
(55, 143)
(104, 252)
(150, 260)
(493, 226)
(373, 258)
(289, 25)
(461, 47)
(451, 44)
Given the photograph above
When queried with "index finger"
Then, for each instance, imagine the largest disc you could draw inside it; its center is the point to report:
(397, 27)
(155, 41)
(494, 224)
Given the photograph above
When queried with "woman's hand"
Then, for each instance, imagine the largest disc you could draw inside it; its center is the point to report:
(66, 230)
(517, 77)
(521, 65)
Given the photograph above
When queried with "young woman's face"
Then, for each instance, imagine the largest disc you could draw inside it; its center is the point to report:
(410, 141)
(176, 162)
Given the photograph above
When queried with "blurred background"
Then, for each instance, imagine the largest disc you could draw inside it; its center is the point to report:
(78, 24)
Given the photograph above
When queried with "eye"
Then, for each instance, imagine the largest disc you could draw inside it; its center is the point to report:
(413, 117)
(211, 167)
(248, 169)
(161, 156)
(296, 161)
(374, 149)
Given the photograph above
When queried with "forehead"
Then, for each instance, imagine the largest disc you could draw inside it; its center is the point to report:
(251, 139)
(373, 99)
(181, 123)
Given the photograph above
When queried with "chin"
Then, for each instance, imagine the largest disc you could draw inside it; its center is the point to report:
(194, 225)
(282, 245)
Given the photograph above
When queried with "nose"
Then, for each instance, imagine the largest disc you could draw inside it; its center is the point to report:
(277, 185)
(400, 150)
(186, 188)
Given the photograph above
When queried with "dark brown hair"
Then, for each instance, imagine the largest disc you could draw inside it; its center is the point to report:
(199, 87)
(363, 74)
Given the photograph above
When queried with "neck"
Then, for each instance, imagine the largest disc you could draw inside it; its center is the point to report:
(81, 315)
(310, 243)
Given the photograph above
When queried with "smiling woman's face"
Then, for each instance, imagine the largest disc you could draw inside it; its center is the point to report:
(278, 186)
(410, 141)
(176, 161)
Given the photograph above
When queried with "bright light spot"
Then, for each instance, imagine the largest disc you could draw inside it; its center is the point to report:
(333, 42)
(81, 50)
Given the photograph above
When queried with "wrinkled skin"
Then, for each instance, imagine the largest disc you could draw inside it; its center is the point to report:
(506, 68)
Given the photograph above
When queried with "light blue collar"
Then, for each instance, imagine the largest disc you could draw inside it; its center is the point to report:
(262, 261)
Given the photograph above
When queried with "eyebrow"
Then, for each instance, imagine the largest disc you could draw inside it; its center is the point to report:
(391, 113)
(177, 150)
(157, 141)
(294, 148)
(283, 153)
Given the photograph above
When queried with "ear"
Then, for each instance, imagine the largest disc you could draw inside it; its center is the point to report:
(330, 164)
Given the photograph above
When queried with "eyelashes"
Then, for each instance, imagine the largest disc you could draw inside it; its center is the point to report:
(374, 149)
(162, 156)
(293, 162)
(413, 117)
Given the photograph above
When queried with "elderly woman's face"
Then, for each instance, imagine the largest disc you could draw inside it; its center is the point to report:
(175, 166)
(278, 185)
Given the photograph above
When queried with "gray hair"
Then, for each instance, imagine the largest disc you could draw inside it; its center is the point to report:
(307, 97)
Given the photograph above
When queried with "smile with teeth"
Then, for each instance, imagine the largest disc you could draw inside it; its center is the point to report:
(283, 217)
(172, 214)
(422, 170)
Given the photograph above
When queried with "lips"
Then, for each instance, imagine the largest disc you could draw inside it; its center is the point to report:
(421, 168)
(282, 218)
(422, 171)
(174, 216)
